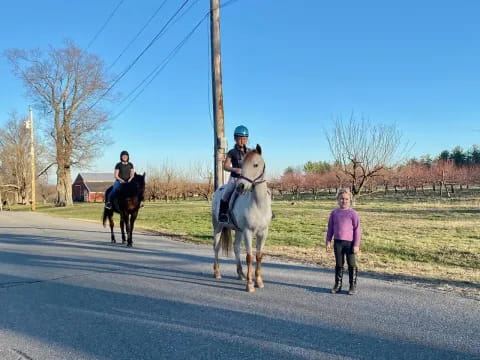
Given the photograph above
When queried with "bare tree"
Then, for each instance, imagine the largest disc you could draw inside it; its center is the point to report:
(205, 172)
(67, 84)
(362, 149)
(14, 154)
(169, 176)
(153, 186)
(15, 157)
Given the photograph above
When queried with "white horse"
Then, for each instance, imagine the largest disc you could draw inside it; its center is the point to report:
(250, 216)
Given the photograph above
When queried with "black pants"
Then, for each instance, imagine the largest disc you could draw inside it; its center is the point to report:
(344, 248)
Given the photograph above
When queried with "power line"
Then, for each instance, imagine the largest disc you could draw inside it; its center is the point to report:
(159, 68)
(138, 34)
(226, 3)
(155, 38)
(153, 71)
(104, 24)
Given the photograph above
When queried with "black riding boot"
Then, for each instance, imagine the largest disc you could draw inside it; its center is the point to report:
(352, 277)
(223, 216)
(338, 280)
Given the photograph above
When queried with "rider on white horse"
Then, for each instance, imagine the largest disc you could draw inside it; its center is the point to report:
(233, 164)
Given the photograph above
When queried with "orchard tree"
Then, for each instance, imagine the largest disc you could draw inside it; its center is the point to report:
(363, 149)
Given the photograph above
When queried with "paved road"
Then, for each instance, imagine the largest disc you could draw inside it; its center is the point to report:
(67, 293)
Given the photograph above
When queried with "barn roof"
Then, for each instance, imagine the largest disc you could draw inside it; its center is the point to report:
(96, 182)
(97, 177)
(98, 186)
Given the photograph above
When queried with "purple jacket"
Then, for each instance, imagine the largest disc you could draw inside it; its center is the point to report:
(344, 224)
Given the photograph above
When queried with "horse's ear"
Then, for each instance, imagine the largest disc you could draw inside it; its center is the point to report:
(143, 174)
(259, 149)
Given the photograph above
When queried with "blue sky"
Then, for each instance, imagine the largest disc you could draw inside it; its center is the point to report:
(289, 69)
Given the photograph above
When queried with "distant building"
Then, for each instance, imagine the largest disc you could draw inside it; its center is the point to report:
(90, 187)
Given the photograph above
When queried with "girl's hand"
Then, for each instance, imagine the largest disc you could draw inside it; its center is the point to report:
(356, 249)
(328, 247)
(237, 170)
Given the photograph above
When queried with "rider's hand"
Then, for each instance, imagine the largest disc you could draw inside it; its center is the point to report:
(356, 249)
(237, 170)
(328, 247)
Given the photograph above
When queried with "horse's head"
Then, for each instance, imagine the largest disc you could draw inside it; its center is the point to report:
(139, 180)
(253, 170)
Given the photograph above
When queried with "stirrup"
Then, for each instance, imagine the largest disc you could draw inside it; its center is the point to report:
(224, 218)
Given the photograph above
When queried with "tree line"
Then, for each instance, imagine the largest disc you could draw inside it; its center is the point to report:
(436, 176)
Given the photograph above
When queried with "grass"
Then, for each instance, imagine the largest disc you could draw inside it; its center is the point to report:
(429, 239)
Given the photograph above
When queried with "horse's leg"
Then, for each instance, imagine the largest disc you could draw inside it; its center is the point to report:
(217, 233)
(127, 230)
(133, 217)
(112, 224)
(236, 249)
(122, 227)
(261, 237)
(247, 235)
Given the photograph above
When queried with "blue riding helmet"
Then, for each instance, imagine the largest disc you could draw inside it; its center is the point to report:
(241, 131)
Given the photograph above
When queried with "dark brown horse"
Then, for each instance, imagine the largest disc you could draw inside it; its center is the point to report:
(126, 202)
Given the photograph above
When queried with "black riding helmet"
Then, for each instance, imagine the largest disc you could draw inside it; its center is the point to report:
(124, 152)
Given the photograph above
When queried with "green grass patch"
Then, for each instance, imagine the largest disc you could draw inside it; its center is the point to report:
(398, 237)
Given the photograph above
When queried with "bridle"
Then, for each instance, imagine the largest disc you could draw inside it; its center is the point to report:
(258, 180)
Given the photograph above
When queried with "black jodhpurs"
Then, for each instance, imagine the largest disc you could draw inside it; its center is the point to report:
(344, 248)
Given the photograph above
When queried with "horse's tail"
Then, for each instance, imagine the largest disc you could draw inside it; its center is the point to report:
(226, 239)
(106, 214)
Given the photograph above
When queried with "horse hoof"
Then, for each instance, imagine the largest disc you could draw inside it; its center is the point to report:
(250, 288)
(129, 245)
(113, 241)
(259, 284)
(217, 276)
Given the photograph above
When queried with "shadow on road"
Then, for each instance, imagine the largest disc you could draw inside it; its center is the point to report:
(115, 325)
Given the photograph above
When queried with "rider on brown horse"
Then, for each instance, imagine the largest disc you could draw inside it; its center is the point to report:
(124, 172)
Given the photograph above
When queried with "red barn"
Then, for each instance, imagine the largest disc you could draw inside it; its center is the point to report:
(90, 187)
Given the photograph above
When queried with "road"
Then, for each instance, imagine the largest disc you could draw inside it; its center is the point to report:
(67, 293)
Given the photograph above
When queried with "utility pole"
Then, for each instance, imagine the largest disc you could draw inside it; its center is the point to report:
(32, 157)
(218, 114)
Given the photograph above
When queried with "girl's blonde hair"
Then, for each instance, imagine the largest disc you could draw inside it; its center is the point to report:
(345, 190)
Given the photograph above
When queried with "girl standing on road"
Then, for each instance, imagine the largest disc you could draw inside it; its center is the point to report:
(344, 227)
